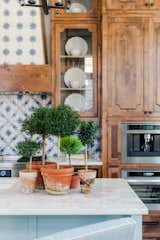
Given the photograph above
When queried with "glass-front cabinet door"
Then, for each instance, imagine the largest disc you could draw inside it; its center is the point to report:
(78, 8)
(76, 67)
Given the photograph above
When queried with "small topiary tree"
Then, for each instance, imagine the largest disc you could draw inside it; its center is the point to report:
(39, 123)
(87, 133)
(28, 149)
(64, 123)
(70, 145)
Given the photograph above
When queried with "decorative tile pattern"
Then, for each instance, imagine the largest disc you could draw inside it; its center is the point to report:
(13, 110)
(21, 40)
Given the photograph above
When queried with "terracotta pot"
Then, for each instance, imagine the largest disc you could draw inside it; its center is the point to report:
(74, 181)
(37, 166)
(87, 179)
(57, 181)
(28, 180)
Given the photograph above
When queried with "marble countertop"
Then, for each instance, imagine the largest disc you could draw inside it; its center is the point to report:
(110, 197)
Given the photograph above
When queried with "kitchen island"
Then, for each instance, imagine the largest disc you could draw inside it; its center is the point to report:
(39, 214)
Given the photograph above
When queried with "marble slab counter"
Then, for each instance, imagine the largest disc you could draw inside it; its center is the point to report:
(110, 197)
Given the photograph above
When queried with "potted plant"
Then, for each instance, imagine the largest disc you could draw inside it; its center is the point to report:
(87, 134)
(28, 177)
(71, 145)
(39, 123)
(64, 122)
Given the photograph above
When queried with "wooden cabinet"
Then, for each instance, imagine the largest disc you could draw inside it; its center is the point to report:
(127, 4)
(133, 66)
(114, 143)
(127, 54)
(156, 66)
(83, 66)
(114, 172)
(131, 4)
(151, 225)
(81, 9)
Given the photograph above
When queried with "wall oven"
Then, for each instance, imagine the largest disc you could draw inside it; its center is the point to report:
(146, 184)
(141, 143)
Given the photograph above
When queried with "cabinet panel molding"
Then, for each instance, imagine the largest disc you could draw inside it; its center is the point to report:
(125, 65)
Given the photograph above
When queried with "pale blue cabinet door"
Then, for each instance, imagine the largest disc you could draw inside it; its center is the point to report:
(47, 225)
(17, 228)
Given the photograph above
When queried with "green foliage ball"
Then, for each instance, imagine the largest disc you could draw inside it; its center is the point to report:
(28, 148)
(70, 145)
(64, 121)
(87, 132)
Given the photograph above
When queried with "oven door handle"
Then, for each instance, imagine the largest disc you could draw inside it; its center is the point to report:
(142, 182)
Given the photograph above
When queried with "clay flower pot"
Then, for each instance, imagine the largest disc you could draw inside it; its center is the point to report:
(57, 181)
(28, 180)
(74, 181)
(87, 179)
(37, 167)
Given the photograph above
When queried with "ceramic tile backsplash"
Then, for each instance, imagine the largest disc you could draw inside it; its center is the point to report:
(13, 110)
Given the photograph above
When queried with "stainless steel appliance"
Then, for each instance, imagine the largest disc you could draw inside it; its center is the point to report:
(9, 166)
(146, 184)
(141, 143)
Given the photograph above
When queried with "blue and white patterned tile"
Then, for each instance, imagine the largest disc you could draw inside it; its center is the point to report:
(14, 109)
(18, 26)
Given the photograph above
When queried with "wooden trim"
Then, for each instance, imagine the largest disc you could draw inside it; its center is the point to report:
(152, 231)
(44, 40)
(93, 13)
(25, 78)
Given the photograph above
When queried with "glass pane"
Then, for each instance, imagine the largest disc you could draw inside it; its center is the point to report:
(77, 69)
(80, 6)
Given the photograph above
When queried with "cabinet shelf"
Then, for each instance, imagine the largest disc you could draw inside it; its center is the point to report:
(88, 63)
(69, 56)
(75, 89)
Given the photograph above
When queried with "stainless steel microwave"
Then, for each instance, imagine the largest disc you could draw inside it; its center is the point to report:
(141, 143)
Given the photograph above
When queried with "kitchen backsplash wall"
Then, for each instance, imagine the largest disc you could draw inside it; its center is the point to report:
(13, 110)
(21, 40)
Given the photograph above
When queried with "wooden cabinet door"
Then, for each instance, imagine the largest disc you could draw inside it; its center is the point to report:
(126, 4)
(114, 143)
(127, 48)
(86, 63)
(155, 27)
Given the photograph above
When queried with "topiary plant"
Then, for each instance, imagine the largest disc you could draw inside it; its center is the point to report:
(87, 133)
(28, 149)
(70, 145)
(39, 123)
(64, 123)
